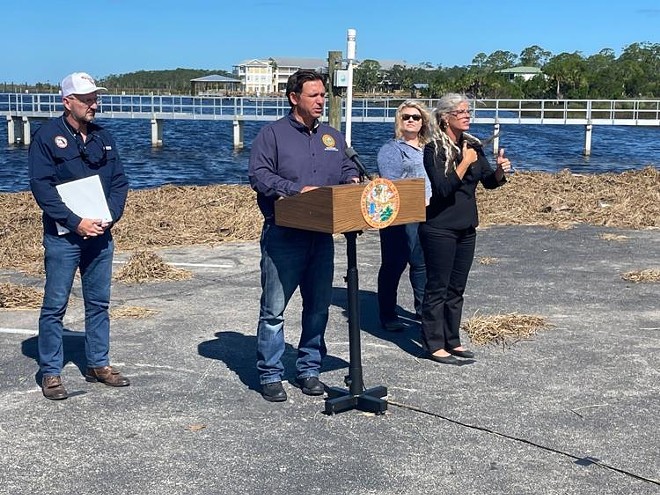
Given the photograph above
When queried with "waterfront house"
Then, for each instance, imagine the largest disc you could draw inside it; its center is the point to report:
(261, 76)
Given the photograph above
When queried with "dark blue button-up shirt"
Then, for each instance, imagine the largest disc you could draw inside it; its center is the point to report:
(287, 156)
(58, 155)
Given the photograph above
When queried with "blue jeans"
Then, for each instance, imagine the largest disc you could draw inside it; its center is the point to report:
(292, 258)
(399, 247)
(63, 256)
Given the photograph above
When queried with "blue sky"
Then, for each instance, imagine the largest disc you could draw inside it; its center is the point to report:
(46, 39)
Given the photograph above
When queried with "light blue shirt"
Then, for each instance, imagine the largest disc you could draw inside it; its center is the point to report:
(399, 160)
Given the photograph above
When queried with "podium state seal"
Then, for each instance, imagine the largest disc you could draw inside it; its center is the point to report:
(380, 203)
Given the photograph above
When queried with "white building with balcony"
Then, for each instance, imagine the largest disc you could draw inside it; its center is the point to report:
(261, 76)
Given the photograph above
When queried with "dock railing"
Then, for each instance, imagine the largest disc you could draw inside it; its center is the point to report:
(504, 111)
(19, 108)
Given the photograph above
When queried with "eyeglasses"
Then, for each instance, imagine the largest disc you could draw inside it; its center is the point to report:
(87, 101)
(408, 116)
(459, 113)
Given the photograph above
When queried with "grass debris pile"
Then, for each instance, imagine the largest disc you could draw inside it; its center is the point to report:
(504, 329)
(147, 266)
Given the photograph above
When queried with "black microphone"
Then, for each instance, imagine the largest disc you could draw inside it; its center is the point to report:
(352, 155)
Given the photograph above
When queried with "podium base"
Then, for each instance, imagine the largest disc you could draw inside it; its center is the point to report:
(340, 399)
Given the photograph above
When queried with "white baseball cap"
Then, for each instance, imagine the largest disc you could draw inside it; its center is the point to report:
(79, 83)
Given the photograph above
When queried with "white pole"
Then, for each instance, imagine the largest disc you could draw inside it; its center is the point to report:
(350, 56)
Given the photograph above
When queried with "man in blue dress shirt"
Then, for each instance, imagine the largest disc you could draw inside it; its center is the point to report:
(291, 156)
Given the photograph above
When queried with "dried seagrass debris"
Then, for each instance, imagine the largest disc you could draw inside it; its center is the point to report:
(487, 260)
(637, 276)
(14, 296)
(198, 215)
(629, 200)
(504, 329)
(147, 266)
(613, 237)
(135, 312)
(189, 215)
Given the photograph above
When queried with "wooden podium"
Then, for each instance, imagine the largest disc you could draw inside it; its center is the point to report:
(338, 210)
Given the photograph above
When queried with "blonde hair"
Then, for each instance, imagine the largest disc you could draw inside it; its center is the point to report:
(425, 133)
(448, 103)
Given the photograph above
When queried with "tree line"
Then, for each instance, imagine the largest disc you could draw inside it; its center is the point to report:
(174, 81)
(635, 73)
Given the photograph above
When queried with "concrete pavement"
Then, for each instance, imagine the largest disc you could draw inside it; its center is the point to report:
(543, 416)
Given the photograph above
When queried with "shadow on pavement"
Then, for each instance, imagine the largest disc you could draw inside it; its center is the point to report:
(407, 340)
(74, 352)
(238, 352)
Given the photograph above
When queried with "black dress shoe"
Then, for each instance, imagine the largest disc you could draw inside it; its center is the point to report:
(52, 388)
(273, 392)
(311, 385)
(444, 359)
(394, 326)
(464, 354)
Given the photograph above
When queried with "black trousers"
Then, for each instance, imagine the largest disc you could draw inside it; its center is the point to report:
(448, 254)
(399, 247)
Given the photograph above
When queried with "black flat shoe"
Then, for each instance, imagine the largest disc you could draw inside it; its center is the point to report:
(463, 354)
(444, 359)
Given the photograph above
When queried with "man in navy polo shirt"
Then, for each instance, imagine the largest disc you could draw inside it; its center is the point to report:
(292, 156)
(65, 149)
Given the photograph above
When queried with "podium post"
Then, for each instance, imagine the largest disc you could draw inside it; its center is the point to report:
(355, 397)
(338, 209)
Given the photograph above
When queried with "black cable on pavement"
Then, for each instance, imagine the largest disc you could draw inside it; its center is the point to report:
(585, 461)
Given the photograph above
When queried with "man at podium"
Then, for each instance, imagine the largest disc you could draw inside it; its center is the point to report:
(293, 155)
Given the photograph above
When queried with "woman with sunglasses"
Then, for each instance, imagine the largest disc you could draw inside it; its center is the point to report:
(455, 163)
(402, 158)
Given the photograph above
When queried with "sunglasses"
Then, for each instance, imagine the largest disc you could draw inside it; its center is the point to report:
(408, 116)
(85, 155)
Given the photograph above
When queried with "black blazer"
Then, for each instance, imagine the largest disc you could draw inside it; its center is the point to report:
(453, 202)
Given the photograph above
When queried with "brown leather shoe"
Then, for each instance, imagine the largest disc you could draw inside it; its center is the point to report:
(107, 375)
(51, 386)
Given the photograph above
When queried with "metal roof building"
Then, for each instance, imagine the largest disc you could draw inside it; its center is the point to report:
(214, 85)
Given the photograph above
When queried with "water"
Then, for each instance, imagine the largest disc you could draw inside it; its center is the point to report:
(201, 152)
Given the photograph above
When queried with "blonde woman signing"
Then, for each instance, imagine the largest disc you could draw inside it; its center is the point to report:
(455, 163)
(402, 158)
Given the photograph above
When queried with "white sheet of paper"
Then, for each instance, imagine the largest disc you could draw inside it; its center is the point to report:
(84, 197)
